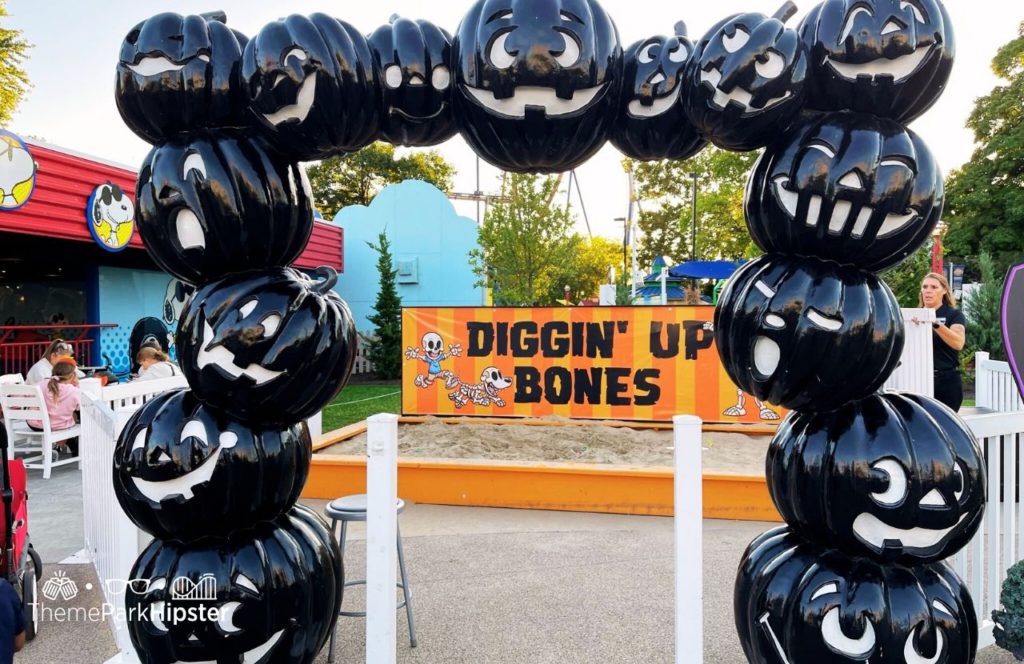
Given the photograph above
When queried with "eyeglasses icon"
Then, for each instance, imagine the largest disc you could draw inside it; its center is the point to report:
(138, 586)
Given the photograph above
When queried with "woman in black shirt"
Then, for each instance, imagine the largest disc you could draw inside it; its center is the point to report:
(948, 336)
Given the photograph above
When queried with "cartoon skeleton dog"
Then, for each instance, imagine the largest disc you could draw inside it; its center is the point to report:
(483, 393)
(739, 409)
(433, 354)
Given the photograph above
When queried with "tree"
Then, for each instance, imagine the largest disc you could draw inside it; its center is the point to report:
(588, 267)
(14, 81)
(665, 190)
(905, 279)
(385, 349)
(985, 197)
(354, 179)
(525, 243)
(982, 309)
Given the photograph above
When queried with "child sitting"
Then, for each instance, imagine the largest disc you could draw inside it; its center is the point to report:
(154, 363)
(63, 400)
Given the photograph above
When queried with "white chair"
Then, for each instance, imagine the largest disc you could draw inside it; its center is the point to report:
(25, 402)
(14, 378)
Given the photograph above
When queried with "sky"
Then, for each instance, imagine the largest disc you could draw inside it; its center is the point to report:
(73, 62)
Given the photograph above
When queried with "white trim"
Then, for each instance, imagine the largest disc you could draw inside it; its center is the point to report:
(81, 155)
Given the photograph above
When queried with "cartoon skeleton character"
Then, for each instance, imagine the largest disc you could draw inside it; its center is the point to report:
(740, 410)
(433, 354)
(483, 393)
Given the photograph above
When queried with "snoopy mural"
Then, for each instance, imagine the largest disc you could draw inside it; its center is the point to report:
(17, 172)
(433, 354)
(111, 217)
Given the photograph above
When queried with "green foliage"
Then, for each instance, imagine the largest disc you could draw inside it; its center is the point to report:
(984, 331)
(354, 179)
(357, 402)
(905, 278)
(985, 197)
(623, 291)
(588, 267)
(525, 242)
(385, 348)
(14, 81)
(665, 192)
(1009, 629)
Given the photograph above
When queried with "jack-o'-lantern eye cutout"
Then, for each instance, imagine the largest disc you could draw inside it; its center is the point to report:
(193, 162)
(737, 40)
(894, 477)
(857, 647)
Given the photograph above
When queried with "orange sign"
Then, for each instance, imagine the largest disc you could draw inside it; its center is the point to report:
(616, 363)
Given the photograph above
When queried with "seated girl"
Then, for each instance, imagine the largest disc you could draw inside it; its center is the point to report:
(154, 364)
(63, 400)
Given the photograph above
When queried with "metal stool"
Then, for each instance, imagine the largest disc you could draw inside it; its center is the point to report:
(353, 508)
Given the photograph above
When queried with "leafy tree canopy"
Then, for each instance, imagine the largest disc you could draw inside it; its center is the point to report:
(985, 197)
(588, 267)
(665, 192)
(354, 179)
(14, 81)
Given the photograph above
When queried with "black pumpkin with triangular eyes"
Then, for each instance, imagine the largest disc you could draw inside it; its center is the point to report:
(746, 80)
(807, 334)
(269, 594)
(891, 58)
(536, 83)
(215, 203)
(895, 477)
(179, 73)
(312, 86)
(268, 348)
(414, 61)
(650, 122)
(848, 187)
(801, 603)
(183, 470)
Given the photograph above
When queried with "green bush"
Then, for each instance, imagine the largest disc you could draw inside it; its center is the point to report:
(1009, 629)
(385, 347)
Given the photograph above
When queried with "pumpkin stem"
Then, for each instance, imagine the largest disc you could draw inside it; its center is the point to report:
(328, 277)
(680, 28)
(786, 11)
(217, 15)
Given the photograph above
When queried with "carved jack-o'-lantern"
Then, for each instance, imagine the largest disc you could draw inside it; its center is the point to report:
(800, 603)
(807, 334)
(414, 60)
(183, 470)
(180, 73)
(216, 203)
(312, 86)
(269, 594)
(650, 122)
(895, 477)
(887, 57)
(849, 187)
(536, 83)
(746, 80)
(269, 347)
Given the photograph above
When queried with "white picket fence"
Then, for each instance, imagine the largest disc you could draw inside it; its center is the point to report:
(914, 373)
(994, 386)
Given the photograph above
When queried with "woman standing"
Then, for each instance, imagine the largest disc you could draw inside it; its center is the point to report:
(949, 334)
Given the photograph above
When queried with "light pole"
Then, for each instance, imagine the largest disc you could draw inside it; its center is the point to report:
(693, 230)
(625, 241)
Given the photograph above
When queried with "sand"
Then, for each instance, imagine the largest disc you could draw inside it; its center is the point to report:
(736, 453)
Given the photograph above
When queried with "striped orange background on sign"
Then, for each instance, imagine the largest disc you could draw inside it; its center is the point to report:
(690, 382)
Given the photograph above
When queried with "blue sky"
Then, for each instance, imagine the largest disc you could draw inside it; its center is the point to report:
(76, 47)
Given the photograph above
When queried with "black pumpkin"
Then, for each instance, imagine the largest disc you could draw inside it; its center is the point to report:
(536, 83)
(650, 122)
(800, 603)
(807, 334)
(268, 348)
(269, 594)
(180, 73)
(895, 477)
(887, 57)
(312, 86)
(215, 203)
(746, 80)
(849, 187)
(183, 470)
(414, 61)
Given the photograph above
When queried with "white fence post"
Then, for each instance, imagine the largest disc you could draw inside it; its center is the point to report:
(381, 537)
(982, 382)
(914, 373)
(688, 516)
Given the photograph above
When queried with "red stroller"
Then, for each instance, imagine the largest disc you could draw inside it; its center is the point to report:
(19, 562)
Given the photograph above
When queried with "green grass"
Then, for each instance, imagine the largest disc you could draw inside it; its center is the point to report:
(357, 402)
(968, 403)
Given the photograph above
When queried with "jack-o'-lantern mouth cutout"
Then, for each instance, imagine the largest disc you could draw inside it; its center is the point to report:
(898, 68)
(212, 352)
(537, 98)
(158, 64)
(181, 485)
(420, 118)
(305, 94)
(712, 77)
(841, 213)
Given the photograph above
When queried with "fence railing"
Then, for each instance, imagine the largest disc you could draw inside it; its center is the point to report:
(21, 346)
(994, 386)
(914, 373)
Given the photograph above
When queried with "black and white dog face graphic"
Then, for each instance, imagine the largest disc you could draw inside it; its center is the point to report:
(484, 393)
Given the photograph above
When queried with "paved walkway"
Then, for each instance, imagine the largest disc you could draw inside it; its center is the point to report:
(489, 586)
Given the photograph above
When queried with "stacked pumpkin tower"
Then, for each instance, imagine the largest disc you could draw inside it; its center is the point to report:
(237, 571)
(876, 489)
